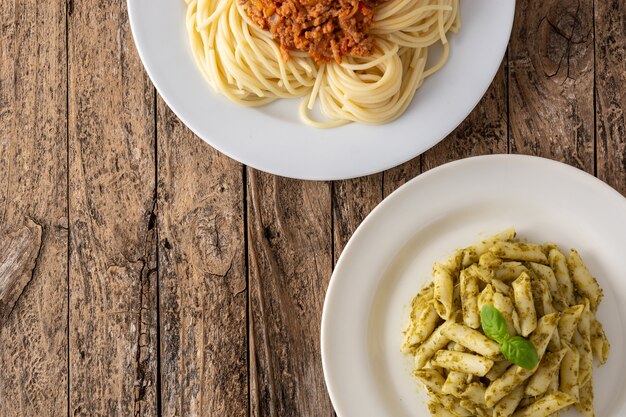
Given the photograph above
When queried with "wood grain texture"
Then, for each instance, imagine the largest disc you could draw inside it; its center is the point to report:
(112, 323)
(395, 177)
(289, 228)
(353, 200)
(19, 251)
(202, 275)
(33, 171)
(610, 39)
(551, 72)
(227, 267)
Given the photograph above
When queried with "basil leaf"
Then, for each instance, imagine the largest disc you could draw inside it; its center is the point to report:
(520, 351)
(493, 324)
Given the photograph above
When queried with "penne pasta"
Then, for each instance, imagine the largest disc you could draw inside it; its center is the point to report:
(431, 379)
(436, 341)
(477, 410)
(469, 257)
(518, 251)
(555, 342)
(599, 343)
(502, 288)
(486, 296)
(438, 410)
(569, 322)
(475, 392)
(546, 326)
(515, 375)
(585, 403)
(542, 297)
(509, 271)
(585, 283)
(469, 300)
(483, 274)
(489, 260)
(547, 247)
(505, 306)
(569, 372)
(452, 404)
(582, 341)
(507, 405)
(524, 304)
(559, 266)
(457, 304)
(443, 292)
(455, 383)
(516, 322)
(546, 405)
(554, 383)
(585, 358)
(453, 263)
(483, 246)
(548, 367)
(497, 370)
(507, 329)
(462, 362)
(547, 275)
(525, 402)
(420, 328)
(422, 298)
(472, 340)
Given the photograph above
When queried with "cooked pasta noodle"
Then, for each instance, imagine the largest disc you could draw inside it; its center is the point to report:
(244, 63)
(462, 357)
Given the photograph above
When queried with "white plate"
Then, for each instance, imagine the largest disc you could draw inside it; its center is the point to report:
(390, 256)
(272, 138)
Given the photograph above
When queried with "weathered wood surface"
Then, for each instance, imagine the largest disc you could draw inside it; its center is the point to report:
(352, 201)
(610, 111)
(19, 251)
(112, 195)
(33, 194)
(290, 262)
(196, 284)
(202, 276)
(551, 81)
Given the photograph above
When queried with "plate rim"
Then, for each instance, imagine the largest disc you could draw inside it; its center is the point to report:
(324, 174)
(325, 327)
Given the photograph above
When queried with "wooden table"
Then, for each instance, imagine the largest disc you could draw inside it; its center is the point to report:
(143, 273)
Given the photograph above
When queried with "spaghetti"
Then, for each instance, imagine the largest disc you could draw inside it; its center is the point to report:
(245, 64)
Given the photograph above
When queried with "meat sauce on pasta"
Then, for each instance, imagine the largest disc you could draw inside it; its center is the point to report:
(326, 29)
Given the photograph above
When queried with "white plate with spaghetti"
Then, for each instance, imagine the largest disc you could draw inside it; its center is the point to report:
(390, 256)
(379, 88)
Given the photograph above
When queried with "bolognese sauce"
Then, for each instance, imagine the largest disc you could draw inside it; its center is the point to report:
(326, 29)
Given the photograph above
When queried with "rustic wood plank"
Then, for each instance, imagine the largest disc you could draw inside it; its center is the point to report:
(112, 324)
(395, 177)
(551, 75)
(610, 38)
(202, 275)
(289, 229)
(353, 200)
(19, 251)
(33, 192)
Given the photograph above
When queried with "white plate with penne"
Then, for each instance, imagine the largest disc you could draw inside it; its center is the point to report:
(490, 286)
